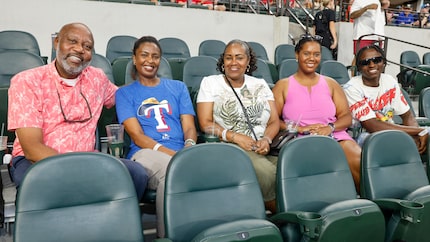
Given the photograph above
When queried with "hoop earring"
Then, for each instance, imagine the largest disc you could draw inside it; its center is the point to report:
(222, 67)
(247, 68)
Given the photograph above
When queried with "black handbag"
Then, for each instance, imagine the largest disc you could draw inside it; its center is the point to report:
(280, 139)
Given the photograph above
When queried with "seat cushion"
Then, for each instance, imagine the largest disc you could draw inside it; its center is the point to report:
(346, 221)
(250, 229)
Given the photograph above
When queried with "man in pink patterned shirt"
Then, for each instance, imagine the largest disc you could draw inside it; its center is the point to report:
(54, 109)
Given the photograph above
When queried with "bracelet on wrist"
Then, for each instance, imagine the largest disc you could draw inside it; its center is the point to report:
(224, 135)
(269, 140)
(423, 132)
(157, 146)
(190, 141)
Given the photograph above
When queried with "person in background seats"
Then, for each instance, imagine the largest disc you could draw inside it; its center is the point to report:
(374, 97)
(406, 17)
(423, 17)
(368, 19)
(55, 108)
(158, 115)
(325, 26)
(211, 4)
(246, 116)
(318, 102)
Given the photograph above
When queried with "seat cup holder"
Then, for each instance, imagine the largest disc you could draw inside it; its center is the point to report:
(411, 211)
(209, 138)
(310, 224)
(211, 134)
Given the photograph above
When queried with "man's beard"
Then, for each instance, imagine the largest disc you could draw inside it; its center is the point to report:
(70, 69)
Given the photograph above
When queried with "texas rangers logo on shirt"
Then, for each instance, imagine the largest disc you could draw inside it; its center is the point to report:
(152, 106)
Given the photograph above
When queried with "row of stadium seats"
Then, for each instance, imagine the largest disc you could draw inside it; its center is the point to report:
(207, 67)
(19, 51)
(316, 198)
(176, 56)
(175, 50)
(410, 79)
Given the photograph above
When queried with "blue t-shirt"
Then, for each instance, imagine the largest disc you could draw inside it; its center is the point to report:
(158, 110)
(405, 19)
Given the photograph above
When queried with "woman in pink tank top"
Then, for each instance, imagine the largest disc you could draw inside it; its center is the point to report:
(318, 102)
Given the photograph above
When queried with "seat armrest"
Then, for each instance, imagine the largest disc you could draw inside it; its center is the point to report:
(310, 223)
(423, 121)
(409, 210)
(356, 129)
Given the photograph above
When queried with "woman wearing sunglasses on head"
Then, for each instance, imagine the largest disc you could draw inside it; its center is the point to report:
(374, 97)
(317, 101)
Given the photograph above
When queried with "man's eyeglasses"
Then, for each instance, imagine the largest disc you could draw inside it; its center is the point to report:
(73, 120)
(311, 37)
(375, 60)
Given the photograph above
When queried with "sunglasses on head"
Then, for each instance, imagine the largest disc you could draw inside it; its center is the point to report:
(375, 60)
(312, 37)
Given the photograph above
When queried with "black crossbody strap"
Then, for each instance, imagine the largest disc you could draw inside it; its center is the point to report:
(243, 108)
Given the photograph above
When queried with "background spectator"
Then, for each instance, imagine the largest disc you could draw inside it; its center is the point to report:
(422, 20)
(406, 17)
(325, 26)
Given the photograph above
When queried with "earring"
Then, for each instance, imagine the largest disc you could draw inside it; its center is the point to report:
(247, 68)
(222, 67)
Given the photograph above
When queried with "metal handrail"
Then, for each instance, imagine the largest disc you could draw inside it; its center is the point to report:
(309, 16)
(292, 38)
(296, 18)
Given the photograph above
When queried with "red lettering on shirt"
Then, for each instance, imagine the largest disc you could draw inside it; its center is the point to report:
(362, 113)
(358, 105)
(362, 109)
(365, 106)
(383, 100)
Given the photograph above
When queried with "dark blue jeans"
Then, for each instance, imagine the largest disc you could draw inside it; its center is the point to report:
(137, 172)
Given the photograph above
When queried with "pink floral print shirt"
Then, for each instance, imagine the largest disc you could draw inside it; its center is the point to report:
(38, 96)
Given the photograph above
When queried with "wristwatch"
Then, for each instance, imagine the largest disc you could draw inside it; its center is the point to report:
(331, 126)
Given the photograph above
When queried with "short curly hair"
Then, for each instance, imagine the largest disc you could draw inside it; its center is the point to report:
(249, 52)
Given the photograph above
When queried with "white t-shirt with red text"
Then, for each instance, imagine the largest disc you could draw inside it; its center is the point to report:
(382, 102)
